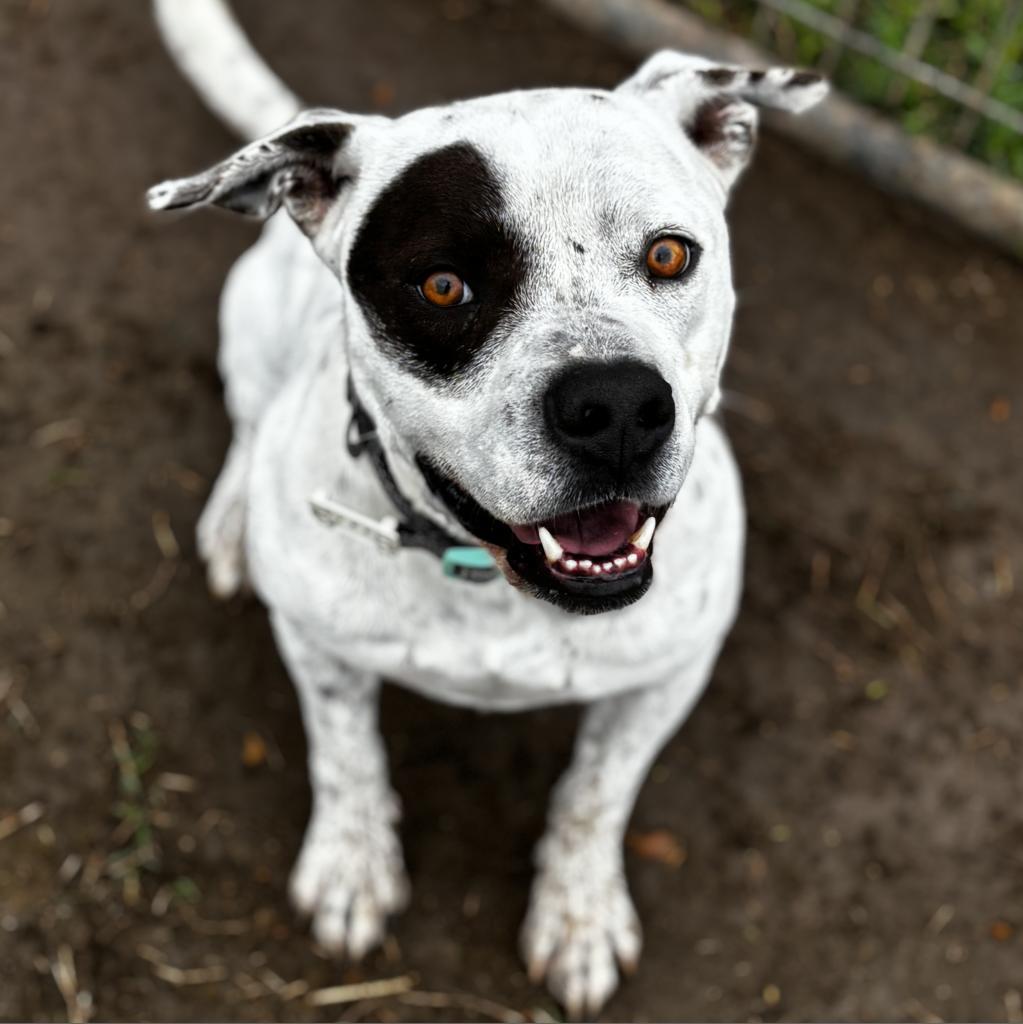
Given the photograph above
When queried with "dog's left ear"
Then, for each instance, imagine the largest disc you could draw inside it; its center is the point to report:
(302, 165)
(715, 105)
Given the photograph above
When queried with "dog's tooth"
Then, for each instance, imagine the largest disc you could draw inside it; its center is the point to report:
(642, 537)
(551, 548)
(608, 566)
(585, 563)
(619, 562)
(570, 564)
(632, 558)
(596, 570)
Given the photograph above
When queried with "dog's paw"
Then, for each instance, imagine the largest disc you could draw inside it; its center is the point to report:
(349, 880)
(579, 930)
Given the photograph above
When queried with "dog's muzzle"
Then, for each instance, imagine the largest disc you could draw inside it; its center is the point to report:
(609, 420)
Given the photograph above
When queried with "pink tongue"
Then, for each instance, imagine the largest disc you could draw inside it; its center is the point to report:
(597, 531)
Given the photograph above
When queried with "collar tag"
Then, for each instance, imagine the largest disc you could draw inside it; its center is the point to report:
(475, 565)
(383, 532)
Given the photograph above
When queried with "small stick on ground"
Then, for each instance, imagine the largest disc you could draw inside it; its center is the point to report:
(28, 815)
(57, 432)
(176, 782)
(339, 994)
(78, 1004)
(163, 534)
(180, 976)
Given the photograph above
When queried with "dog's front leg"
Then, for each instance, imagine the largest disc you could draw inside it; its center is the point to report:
(581, 918)
(350, 874)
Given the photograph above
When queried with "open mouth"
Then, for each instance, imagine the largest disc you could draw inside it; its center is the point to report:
(590, 559)
(602, 542)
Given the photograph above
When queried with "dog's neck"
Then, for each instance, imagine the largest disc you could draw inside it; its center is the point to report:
(408, 528)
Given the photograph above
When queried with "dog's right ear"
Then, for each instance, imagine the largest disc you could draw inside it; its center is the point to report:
(301, 165)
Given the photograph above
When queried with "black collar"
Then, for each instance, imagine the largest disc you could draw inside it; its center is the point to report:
(414, 530)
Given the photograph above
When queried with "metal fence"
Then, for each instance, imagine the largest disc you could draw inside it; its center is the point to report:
(949, 68)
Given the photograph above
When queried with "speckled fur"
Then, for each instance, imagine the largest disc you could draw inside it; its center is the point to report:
(585, 183)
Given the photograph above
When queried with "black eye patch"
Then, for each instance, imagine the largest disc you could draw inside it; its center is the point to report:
(445, 211)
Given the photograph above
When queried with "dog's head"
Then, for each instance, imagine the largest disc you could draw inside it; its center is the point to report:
(537, 298)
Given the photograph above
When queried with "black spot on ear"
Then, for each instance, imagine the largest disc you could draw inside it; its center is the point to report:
(317, 140)
(705, 130)
(579, 247)
(445, 211)
(717, 76)
(801, 78)
(723, 130)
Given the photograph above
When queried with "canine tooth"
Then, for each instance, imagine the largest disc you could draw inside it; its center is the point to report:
(570, 564)
(585, 563)
(642, 537)
(551, 548)
(632, 558)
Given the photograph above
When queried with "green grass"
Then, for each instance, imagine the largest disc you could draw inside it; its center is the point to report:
(963, 33)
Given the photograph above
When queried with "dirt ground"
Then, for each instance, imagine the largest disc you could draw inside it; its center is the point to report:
(837, 832)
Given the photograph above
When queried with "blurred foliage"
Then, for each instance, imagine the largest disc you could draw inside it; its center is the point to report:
(964, 36)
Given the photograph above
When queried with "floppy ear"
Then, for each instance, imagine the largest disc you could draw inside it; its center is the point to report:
(301, 165)
(715, 104)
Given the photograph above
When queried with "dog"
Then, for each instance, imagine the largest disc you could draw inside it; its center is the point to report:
(472, 373)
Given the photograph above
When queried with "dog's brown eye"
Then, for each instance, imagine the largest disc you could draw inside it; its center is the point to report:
(445, 288)
(667, 257)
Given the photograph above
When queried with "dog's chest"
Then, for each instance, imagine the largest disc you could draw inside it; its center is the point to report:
(501, 651)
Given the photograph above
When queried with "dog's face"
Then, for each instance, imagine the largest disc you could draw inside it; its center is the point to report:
(538, 299)
(543, 300)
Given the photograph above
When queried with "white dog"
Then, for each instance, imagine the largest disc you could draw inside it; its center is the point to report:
(492, 345)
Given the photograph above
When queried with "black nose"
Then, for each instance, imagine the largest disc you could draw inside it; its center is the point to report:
(611, 415)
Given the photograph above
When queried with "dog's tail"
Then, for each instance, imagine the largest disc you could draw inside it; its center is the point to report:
(212, 52)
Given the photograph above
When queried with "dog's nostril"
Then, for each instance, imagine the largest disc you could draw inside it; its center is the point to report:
(655, 412)
(591, 419)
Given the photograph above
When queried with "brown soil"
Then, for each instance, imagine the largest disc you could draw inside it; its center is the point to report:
(847, 794)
